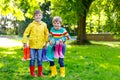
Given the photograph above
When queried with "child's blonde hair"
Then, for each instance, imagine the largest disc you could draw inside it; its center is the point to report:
(37, 12)
(57, 19)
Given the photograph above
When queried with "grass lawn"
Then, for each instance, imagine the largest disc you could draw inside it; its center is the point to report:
(98, 61)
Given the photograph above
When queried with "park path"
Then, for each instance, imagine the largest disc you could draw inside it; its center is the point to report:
(13, 41)
(9, 41)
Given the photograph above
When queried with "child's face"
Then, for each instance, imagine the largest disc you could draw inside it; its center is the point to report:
(57, 24)
(38, 17)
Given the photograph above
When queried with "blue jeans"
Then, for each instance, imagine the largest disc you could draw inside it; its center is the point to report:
(61, 60)
(33, 54)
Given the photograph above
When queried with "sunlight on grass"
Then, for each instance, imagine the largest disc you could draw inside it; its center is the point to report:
(5, 55)
(1, 65)
(68, 51)
(69, 46)
(10, 52)
(118, 56)
(111, 44)
(104, 65)
(109, 66)
(81, 57)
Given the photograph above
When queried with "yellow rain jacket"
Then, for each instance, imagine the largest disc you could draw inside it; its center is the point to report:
(37, 35)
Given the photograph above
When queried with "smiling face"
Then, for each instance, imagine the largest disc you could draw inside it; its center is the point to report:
(38, 17)
(57, 24)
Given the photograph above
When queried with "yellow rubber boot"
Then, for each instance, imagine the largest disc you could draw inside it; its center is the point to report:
(62, 71)
(53, 71)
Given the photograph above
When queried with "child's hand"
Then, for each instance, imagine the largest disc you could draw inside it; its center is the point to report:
(50, 42)
(45, 46)
(24, 45)
(57, 42)
(61, 41)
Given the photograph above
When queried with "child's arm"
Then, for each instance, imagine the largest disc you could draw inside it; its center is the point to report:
(26, 34)
(66, 36)
(51, 39)
(50, 36)
(46, 32)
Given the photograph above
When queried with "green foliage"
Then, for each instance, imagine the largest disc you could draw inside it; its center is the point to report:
(96, 17)
(73, 12)
(98, 61)
(19, 8)
(23, 25)
(45, 7)
(103, 17)
(11, 7)
(70, 10)
(28, 7)
(66, 9)
(112, 23)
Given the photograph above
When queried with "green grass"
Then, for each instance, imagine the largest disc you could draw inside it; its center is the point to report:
(98, 61)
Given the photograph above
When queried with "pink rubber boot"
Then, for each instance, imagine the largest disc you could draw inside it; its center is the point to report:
(60, 51)
(56, 55)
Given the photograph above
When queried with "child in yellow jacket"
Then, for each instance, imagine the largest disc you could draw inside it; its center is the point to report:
(37, 34)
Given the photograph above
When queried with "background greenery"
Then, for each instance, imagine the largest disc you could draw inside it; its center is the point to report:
(96, 61)
(80, 17)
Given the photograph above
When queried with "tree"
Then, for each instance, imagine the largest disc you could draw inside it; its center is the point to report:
(21, 9)
(96, 17)
(45, 7)
(10, 7)
(113, 17)
(74, 11)
(81, 38)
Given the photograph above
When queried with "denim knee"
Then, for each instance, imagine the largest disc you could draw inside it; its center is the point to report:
(39, 57)
(32, 56)
(32, 62)
(39, 61)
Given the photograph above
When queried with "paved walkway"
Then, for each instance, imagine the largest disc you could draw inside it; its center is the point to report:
(9, 41)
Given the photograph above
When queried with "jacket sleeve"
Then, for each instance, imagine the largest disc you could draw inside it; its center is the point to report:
(46, 33)
(66, 36)
(50, 35)
(26, 34)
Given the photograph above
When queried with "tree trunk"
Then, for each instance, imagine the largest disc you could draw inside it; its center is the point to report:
(81, 35)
